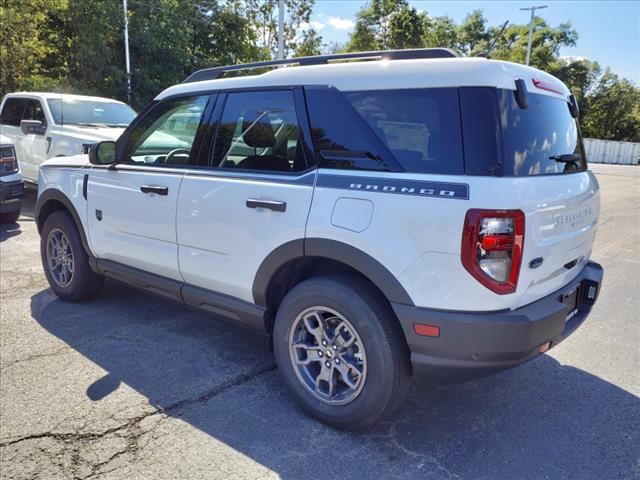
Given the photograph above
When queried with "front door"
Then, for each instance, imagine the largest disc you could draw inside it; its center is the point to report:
(132, 205)
(254, 197)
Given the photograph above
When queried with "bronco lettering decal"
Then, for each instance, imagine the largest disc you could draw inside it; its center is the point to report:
(459, 191)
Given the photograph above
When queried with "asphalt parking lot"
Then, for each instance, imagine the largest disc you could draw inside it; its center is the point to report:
(132, 386)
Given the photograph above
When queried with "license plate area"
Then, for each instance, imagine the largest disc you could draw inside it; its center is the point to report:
(570, 299)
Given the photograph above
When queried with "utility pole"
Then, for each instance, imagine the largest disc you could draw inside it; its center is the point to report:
(533, 10)
(126, 50)
(280, 29)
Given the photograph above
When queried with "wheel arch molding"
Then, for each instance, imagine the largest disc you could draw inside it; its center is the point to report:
(334, 250)
(48, 202)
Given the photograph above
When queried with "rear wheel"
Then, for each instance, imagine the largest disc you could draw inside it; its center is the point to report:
(340, 351)
(65, 262)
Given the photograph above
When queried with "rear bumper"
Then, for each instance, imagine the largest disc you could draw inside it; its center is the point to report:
(10, 195)
(473, 345)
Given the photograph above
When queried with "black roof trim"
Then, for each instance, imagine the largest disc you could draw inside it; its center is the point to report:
(216, 72)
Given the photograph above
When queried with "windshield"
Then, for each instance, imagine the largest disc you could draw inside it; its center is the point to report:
(90, 112)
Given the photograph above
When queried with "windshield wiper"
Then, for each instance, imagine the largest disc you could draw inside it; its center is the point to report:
(566, 158)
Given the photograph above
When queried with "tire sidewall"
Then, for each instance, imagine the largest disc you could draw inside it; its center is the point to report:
(63, 222)
(377, 391)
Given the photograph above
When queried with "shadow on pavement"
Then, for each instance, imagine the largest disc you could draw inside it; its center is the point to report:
(542, 420)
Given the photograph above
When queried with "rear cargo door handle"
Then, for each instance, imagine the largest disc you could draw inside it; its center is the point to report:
(154, 189)
(274, 205)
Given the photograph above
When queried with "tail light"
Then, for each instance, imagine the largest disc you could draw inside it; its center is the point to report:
(492, 242)
(8, 161)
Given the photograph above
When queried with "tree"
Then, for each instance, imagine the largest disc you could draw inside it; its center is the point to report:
(613, 109)
(263, 16)
(440, 32)
(386, 24)
(31, 36)
(310, 45)
(473, 35)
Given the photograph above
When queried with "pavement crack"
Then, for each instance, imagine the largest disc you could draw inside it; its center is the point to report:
(135, 421)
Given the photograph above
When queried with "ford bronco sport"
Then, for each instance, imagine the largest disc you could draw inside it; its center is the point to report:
(408, 213)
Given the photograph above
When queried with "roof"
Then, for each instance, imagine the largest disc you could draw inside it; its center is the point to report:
(388, 74)
(69, 96)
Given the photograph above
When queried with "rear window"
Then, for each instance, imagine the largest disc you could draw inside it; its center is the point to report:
(421, 127)
(502, 139)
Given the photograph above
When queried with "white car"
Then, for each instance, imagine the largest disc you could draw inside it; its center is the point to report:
(11, 184)
(416, 213)
(45, 125)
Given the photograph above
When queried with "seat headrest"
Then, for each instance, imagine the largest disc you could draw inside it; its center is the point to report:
(260, 135)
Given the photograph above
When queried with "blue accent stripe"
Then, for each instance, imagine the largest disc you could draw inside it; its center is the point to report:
(398, 186)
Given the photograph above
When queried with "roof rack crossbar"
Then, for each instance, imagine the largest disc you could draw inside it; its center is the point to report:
(216, 72)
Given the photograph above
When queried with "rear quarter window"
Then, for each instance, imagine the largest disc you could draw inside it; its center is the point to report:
(421, 127)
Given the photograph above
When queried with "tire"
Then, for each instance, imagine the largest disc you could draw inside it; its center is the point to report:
(382, 376)
(80, 283)
(10, 217)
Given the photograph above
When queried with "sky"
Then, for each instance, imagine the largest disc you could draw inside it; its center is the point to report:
(609, 31)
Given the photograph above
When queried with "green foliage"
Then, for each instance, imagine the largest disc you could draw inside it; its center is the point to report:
(387, 24)
(263, 16)
(78, 45)
(612, 109)
(310, 45)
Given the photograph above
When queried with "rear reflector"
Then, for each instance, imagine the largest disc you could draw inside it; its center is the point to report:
(426, 330)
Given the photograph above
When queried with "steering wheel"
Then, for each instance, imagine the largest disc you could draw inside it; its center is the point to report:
(175, 152)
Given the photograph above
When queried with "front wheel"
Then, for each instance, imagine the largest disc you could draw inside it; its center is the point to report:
(65, 261)
(340, 351)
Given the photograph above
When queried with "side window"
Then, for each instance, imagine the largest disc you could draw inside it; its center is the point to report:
(341, 138)
(420, 127)
(259, 131)
(33, 111)
(12, 112)
(166, 134)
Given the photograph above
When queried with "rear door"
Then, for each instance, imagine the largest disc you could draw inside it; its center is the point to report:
(132, 207)
(253, 198)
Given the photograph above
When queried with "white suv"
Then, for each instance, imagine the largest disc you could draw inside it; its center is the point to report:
(45, 125)
(413, 213)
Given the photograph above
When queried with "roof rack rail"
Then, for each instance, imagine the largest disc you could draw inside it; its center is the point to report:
(216, 72)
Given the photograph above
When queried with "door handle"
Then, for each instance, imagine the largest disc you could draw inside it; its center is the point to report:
(152, 189)
(274, 205)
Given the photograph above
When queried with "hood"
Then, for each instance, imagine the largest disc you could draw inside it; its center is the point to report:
(92, 134)
(5, 140)
(74, 161)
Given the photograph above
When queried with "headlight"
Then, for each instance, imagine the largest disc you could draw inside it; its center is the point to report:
(8, 161)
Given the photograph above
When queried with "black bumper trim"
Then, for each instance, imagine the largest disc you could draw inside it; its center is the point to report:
(11, 191)
(476, 344)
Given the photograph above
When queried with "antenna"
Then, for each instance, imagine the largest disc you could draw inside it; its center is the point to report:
(493, 42)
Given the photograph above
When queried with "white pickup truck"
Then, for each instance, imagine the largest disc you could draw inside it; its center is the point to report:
(46, 125)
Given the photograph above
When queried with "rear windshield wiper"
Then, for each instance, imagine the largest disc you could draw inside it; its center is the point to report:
(566, 158)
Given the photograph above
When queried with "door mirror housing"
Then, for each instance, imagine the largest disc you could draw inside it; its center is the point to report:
(33, 127)
(103, 153)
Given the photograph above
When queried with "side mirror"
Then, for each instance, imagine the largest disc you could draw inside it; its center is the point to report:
(103, 153)
(34, 127)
